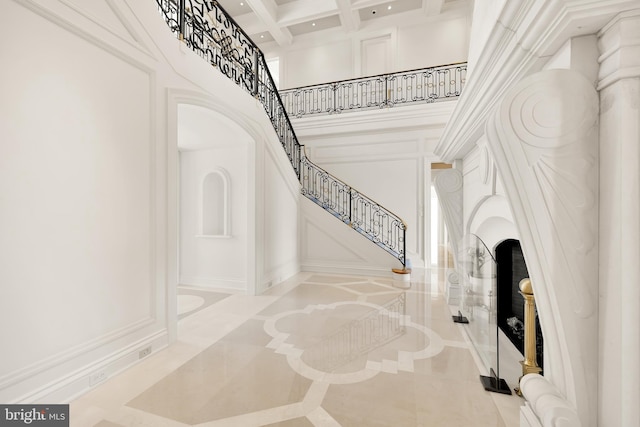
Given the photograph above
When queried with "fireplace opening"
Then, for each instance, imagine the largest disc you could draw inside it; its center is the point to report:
(511, 269)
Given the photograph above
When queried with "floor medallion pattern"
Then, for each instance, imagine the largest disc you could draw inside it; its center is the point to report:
(319, 350)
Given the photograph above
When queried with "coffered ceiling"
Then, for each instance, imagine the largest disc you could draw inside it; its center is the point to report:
(280, 22)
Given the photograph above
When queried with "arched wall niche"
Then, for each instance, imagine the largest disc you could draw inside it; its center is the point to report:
(215, 194)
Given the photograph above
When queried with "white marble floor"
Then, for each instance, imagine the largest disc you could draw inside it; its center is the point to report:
(317, 350)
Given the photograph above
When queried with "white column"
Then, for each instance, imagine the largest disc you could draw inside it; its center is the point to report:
(619, 325)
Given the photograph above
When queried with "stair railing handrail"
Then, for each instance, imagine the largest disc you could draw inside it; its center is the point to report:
(214, 35)
(374, 76)
(360, 212)
(420, 85)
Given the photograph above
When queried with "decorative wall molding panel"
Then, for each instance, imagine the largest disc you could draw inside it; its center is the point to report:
(98, 241)
(544, 137)
(525, 35)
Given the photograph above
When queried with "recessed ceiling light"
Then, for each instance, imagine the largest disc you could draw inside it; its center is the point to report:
(241, 3)
(261, 36)
(313, 24)
(389, 7)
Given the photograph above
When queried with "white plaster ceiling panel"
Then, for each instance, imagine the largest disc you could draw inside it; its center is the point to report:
(316, 25)
(389, 8)
(281, 21)
(235, 7)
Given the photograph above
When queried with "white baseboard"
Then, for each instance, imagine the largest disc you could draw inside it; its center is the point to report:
(212, 282)
(278, 274)
(349, 270)
(81, 379)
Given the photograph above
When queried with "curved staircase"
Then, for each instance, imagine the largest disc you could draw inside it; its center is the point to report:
(209, 31)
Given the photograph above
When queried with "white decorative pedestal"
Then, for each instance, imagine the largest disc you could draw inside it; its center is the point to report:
(402, 278)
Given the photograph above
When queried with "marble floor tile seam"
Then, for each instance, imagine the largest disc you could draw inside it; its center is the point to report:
(390, 288)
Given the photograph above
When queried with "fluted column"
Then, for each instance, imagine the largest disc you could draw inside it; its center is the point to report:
(619, 343)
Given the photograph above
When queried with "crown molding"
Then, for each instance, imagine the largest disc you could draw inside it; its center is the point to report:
(525, 34)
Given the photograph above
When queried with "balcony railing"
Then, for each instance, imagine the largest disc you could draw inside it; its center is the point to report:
(210, 32)
(420, 86)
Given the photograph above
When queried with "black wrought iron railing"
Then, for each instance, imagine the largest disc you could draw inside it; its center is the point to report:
(369, 218)
(425, 85)
(210, 32)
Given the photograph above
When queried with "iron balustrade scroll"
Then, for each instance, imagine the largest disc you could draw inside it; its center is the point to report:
(424, 85)
(210, 32)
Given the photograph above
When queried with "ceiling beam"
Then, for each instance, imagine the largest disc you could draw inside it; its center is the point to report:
(250, 23)
(266, 10)
(349, 18)
(432, 7)
(361, 4)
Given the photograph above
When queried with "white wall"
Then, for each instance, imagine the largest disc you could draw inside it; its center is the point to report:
(439, 43)
(280, 197)
(315, 64)
(80, 260)
(89, 188)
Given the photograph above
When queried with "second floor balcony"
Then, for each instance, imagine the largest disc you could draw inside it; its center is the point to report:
(420, 86)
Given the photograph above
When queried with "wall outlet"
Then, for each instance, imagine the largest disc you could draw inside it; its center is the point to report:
(144, 352)
(97, 377)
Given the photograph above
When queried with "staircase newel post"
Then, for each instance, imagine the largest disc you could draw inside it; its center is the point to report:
(181, 18)
(404, 245)
(530, 362)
